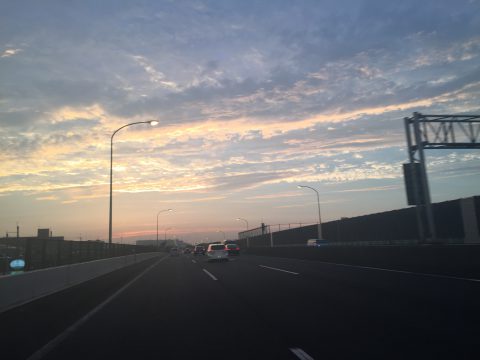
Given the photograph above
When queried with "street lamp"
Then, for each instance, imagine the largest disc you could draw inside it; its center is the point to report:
(246, 222)
(242, 219)
(161, 211)
(151, 122)
(319, 216)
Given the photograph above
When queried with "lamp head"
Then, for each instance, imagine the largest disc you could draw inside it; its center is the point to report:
(299, 186)
(153, 122)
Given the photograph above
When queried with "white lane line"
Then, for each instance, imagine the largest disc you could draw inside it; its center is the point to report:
(193, 261)
(301, 354)
(439, 276)
(272, 268)
(52, 344)
(404, 272)
(209, 274)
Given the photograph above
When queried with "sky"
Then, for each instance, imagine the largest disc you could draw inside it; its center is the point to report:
(252, 98)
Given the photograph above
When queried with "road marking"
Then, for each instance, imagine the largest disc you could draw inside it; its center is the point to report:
(404, 272)
(209, 274)
(193, 261)
(52, 344)
(301, 354)
(450, 277)
(272, 268)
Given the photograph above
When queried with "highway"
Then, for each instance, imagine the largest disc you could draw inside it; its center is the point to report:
(251, 307)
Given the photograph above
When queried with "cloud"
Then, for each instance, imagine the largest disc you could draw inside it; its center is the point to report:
(273, 196)
(249, 95)
(43, 198)
(10, 52)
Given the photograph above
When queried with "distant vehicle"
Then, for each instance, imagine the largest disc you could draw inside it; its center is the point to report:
(217, 252)
(226, 242)
(187, 250)
(232, 249)
(199, 250)
(174, 251)
(316, 242)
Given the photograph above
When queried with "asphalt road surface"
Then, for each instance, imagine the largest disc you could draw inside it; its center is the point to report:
(251, 307)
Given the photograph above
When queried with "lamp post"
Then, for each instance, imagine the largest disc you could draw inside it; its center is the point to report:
(319, 216)
(242, 219)
(246, 222)
(161, 211)
(151, 122)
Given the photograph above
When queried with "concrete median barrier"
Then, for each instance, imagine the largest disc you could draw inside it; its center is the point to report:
(21, 288)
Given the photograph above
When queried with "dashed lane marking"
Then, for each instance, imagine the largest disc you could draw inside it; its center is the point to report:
(272, 268)
(301, 354)
(209, 274)
(427, 275)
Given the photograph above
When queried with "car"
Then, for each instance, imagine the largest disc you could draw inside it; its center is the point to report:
(174, 251)
(316, 242)
(232, 249)
(217, 252)
(187, 250)
(199, 250)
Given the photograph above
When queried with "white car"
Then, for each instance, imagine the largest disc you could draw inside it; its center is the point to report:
(316, 242)
(217, 252)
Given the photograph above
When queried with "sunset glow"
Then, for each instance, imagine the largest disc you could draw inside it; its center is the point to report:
(249, 103)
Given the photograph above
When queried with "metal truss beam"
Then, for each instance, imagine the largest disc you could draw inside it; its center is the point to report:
(432, 132)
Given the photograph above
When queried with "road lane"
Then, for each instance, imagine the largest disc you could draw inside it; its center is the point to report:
(174, 312)
(177, 311)
(377, 313)
(25, 329)
(55, 342)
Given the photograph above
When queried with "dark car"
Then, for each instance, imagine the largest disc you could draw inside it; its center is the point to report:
(187, 251)
(199, 250)
(232, 249)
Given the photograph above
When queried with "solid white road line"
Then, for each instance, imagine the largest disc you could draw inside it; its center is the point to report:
(209, 274)
(403, 272)
(272, 268)
(301, 354)
(439, 276)
(52, 344)
(193, 261)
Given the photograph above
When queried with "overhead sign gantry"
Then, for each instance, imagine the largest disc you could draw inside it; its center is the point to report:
(426, 132)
